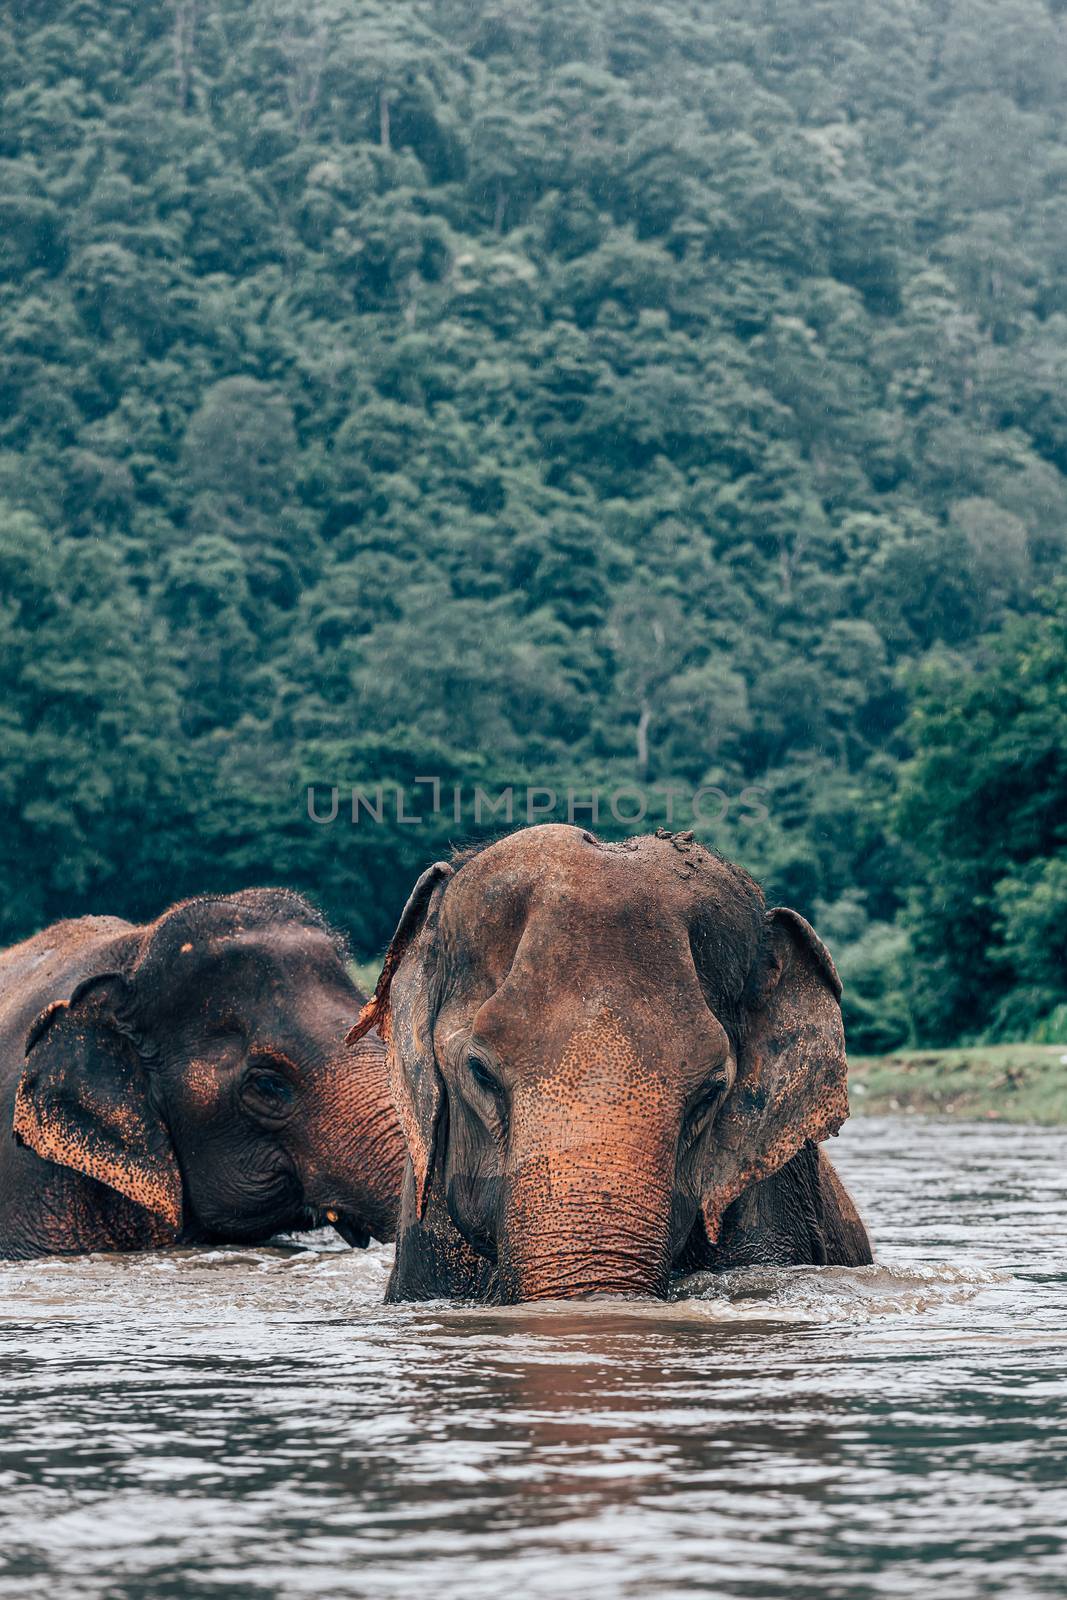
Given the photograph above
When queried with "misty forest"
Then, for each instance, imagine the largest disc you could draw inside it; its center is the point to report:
(599, 395)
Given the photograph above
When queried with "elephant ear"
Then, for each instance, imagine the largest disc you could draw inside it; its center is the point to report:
(791, 1083)
(83, 1100)
(403, 1008)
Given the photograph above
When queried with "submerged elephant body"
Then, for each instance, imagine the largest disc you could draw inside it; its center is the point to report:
(188, 1081)
(611, 1063)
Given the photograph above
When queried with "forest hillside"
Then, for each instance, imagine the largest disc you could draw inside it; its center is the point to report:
(660, 395)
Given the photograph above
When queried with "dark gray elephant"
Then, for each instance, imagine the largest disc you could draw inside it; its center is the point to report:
(189, 1081)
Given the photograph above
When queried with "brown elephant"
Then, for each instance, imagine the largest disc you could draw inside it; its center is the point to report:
(189, 1081)
(611, 1063)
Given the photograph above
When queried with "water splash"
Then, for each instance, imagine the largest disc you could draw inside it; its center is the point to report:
(834, 1293)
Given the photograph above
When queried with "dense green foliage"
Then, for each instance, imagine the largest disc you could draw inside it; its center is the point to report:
(985, 800)
(620, 392)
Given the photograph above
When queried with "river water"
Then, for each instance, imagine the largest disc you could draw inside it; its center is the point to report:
(255, 1423)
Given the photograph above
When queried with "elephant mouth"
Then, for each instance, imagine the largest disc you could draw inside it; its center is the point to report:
(352, 1230)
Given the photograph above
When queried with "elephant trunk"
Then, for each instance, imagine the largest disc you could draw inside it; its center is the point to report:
(580, 1227)
(590, 1177)
(356, 1153)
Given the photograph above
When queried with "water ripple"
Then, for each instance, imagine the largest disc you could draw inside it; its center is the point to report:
(255, 1423)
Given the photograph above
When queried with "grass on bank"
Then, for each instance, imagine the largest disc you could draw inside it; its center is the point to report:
(1006, 1083)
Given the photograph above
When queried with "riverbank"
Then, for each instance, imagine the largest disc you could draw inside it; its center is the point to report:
(1006, 1083)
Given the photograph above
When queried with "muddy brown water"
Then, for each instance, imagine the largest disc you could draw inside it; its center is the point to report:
(256, 1423)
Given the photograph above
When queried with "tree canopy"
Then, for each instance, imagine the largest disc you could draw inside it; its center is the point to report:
(638, 392)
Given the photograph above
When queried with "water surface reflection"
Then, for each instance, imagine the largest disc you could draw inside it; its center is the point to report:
(257, 1423)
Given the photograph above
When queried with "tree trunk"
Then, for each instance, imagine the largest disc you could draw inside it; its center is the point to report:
(641, 739)
(383, 120)
(184, 35)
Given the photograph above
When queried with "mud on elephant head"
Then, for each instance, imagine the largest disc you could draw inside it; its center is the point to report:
(595, 1049)
(198, 1068)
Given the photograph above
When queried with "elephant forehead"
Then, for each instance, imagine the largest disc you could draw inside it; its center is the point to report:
(560, 859)
(557, 874)
(569, 953)
(203, 1084)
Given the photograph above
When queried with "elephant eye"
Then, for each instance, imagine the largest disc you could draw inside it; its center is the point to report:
(705, 1103)
(481, 1075)
(269, 1090)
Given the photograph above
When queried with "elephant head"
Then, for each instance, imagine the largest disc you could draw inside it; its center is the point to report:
(596, 1048)
(200, 1070)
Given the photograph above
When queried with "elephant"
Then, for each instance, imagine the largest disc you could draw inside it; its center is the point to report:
(187, 1081)
(613, 1064)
